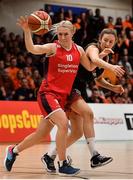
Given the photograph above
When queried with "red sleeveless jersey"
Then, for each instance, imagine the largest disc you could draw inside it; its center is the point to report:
(62, 69)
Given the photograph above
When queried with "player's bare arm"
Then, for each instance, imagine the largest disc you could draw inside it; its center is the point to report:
(106, 52)
(34, 49)
(86, 63)
(105, 84)
(93, 53)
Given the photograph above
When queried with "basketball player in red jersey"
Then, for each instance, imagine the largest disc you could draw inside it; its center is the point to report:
(52, 96)
(64, 58)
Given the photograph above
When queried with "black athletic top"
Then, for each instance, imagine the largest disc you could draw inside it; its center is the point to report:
(84, 76)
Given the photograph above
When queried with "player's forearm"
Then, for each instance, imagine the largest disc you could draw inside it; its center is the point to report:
(88, 65)
(105, 84)
(101, 63)
(102, 55)
(28, 41)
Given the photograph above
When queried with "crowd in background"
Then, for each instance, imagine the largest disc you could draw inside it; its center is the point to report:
(21, 72)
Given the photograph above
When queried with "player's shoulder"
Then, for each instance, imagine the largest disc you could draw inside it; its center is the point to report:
(51, 48)
(80, 48)
(92, 45)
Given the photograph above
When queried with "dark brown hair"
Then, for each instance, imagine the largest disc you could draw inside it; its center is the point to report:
(108, 31)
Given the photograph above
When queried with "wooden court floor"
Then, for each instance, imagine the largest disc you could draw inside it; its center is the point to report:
(29, 166)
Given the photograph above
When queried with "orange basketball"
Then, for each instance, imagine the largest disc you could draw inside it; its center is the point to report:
(39, 22)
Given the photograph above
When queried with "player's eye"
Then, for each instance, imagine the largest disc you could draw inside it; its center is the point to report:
(65, 34)
(60, 34)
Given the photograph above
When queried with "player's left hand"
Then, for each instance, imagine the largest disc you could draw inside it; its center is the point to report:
(118, 89)
(105, 52)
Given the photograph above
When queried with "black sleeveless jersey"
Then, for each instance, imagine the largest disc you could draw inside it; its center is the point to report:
(84, 76)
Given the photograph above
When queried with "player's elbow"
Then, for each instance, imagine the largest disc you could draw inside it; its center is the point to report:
(94, 60)
(32, 50)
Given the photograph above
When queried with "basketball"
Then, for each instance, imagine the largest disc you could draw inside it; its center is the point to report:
(39, 22)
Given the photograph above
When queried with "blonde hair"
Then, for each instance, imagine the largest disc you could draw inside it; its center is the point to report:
(65, 24)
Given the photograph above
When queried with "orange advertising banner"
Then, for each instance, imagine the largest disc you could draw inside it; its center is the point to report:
(18, 119)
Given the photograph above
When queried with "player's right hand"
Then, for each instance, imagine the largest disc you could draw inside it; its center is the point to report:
(105, 52)
(118, 89)
(23, 23)
(118, 70)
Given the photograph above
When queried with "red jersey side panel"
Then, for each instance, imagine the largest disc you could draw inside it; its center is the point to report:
(50, 102)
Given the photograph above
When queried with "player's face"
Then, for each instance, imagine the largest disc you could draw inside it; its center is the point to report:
(107, 41)
(64, 36)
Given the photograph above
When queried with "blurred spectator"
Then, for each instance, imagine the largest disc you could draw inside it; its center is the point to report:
(110, 22)
(59, 16)
(90, 26)
(48, 9)
(37, 81)
(97, 96)
(81, 34)
(7, 59)
(37, 78)
(29, 62)
(99, 22)
(124, 61)
(6, 86)
(13, 69)
(127, 25)
(69, 15)
(130, 48)
(122, 44)
(21, 60)
(118, 25)
(24, 93)
(28, 75)
(17, 80)
(2, 66)
(77, 23)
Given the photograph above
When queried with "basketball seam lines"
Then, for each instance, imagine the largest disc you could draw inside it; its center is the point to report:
(42, 23)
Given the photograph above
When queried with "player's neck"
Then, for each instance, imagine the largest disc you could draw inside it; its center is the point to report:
(66, 47)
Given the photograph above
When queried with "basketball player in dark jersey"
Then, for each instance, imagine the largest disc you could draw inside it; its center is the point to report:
(79, 113)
